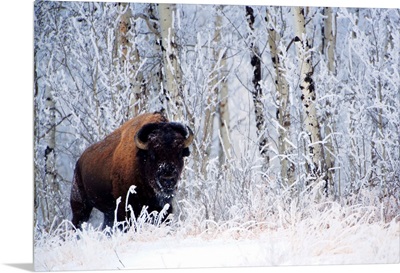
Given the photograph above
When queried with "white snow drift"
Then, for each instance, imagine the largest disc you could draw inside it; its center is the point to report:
(329, 234)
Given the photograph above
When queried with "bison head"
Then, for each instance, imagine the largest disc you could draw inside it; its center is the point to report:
(162, 147)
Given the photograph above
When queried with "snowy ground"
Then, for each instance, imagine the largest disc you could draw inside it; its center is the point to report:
(312, 241)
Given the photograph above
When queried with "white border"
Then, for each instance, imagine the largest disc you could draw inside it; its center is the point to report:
(16, 49)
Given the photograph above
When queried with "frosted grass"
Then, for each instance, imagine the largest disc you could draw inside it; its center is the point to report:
(321, 234)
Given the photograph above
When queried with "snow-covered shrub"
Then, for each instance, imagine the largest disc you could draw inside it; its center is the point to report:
(292, 232)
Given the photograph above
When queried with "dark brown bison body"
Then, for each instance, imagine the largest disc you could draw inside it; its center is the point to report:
(147, 152)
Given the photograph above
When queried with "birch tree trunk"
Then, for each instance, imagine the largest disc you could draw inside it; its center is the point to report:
(224, 128)
(50, 184)
(328, 49)
(124, 27)
(208, 125)
(317, 168)
(220, 81)
(329, 41)
(130, 59)
(154, 81)
(255, 60)
(172, 79)
(282, 100)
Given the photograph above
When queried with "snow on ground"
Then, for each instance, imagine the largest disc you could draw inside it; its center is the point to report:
(306, 242)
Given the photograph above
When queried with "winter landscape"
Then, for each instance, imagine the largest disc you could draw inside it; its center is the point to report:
(295, 113)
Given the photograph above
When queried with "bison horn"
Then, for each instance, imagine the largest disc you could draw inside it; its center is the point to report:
(189, 138)
(140, 144)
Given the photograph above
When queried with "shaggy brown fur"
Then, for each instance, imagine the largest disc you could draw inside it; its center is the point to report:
(107, 169)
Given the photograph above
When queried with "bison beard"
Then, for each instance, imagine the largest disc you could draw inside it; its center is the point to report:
(146, 152)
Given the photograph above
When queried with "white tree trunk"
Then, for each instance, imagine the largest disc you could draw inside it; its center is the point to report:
(329, 39)
(282, 100)
(123, 35)
(50, 183)
(329, 51)
(257, 94)
(308, 97)
(172, 71)
(154, 81)
(224, 128)
(220, 80)
(130, 59)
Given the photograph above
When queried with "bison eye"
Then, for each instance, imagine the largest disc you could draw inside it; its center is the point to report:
(152, 156)
(185, 152)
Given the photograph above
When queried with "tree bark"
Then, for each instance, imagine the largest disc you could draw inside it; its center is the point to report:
(257, 94)
(329, 41)
(224, 128)
(328, 49)
(172, 79)
(130, 59)
(282, 100)
(50, 173)
(220, 81)
(317, 169)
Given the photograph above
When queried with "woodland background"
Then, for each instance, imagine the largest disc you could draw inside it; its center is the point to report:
(288, 105)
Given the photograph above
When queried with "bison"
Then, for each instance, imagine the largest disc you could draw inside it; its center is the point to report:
(148, 152)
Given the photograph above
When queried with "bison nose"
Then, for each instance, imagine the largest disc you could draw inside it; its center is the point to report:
(168, 180)
(167, 177)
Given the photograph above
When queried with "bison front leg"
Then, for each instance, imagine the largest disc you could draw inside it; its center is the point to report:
(120, 222)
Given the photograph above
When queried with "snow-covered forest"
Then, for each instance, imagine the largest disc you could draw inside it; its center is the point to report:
(295, 110)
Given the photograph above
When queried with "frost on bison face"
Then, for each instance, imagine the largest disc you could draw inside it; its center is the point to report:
(162, 149)
(146, 152)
